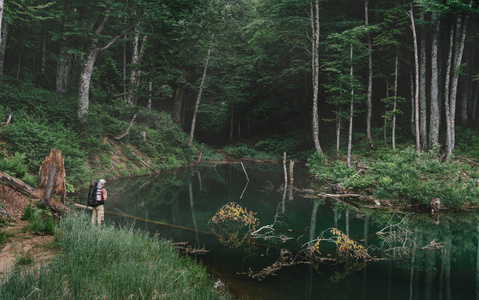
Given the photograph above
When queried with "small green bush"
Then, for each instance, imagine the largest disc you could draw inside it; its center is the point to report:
(41, 220)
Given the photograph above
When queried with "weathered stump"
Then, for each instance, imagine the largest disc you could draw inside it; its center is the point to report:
(52, 177)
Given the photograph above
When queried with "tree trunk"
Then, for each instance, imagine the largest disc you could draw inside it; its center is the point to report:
(134, 62)
(434, 118)
(338, 130)
(422, 85)
(85, 78)
(370, 76)
(64, 71)
(19, 186)
(88, 64)
(351, 108)
(416, 96)
(458, 52)
(1, 18)
(474, 101)
(3, 45)
(447, 91)
(315, 72)
(232, 118)
(178, 100)
(396, 75)
(198, 99)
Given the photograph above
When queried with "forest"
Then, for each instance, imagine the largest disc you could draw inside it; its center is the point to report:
(254, 77)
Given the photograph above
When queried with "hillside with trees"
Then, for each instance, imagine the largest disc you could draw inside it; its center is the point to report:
(125, 88)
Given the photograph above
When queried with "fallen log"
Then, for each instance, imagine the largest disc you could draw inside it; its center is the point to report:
(77, 205)
(19, 186)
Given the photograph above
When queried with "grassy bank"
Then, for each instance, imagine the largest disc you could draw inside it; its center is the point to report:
(111, 263)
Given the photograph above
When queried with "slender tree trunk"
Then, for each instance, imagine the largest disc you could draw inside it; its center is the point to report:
(411, 96)
(423, 85)
(351, 108)
(134, 62)
(447, 91)
(232, 119)
(370, 76)
(315, 72)
(125, 96)
(474, 101)
(456, 59)
(435, 116)
(385, 129)
(396, 75)
(3, 45)
(338, 130)
(150, 89)
(459, 50)
(416, 97)
(1, 19)
(198, 99)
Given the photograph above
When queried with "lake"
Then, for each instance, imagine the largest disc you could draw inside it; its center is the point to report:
(360, 254)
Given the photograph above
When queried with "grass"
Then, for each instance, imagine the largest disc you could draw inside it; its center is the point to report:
(110, 263)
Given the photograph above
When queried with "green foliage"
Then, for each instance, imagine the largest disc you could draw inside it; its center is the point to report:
(15, 166)
(4, 236)
(407, 176)
(277, 145)
(243, 151)
(41, 220)
(121, 262)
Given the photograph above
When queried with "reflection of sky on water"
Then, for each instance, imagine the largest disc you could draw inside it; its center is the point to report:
(180, 204)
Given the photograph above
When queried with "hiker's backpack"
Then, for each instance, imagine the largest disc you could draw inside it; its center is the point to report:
(94, 194)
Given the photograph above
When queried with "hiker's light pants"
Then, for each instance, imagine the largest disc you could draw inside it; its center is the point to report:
(98, 214)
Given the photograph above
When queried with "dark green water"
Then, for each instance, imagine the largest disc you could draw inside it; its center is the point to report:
(423, 257)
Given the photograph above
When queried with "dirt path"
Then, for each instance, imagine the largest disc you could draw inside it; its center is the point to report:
(20, 245)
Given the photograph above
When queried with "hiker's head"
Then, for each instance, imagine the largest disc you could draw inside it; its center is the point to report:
(102, 181)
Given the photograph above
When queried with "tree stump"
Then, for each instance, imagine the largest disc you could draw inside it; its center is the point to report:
(52, 177)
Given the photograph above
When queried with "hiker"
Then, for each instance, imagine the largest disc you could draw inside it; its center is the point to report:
(98, 213)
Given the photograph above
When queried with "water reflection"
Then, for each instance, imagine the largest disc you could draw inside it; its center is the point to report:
(422, 259)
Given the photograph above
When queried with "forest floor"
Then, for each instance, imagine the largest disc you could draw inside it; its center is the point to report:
(21, 245)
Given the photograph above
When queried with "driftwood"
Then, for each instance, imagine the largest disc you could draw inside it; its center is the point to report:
(19, 186)
(77, 205)
(120, 136)
(7, 121)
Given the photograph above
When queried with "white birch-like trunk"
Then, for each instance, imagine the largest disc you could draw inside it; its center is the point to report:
(89, 63)
(198, 99)
(461, 30)
(370, 76)
(416, 96)
(1, 18)
(85, 79)
(435, 117)
(315, 72)
(422, 86)
(351, 108)
(134, 62)
(447, 91)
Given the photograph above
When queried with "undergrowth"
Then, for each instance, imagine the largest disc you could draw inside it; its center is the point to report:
(110, 263)
(404, 175)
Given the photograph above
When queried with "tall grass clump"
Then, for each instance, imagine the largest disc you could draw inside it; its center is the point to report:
(109, 263)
